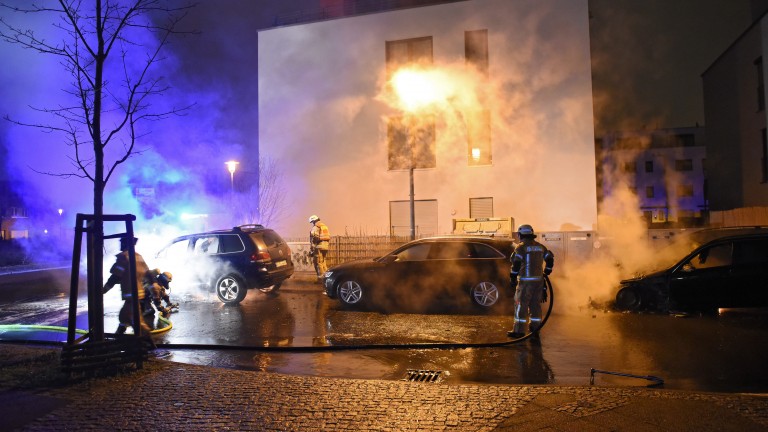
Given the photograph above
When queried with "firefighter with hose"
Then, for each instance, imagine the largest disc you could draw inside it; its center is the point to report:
(531, 261)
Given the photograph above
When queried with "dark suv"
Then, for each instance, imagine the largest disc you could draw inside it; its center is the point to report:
(229, 261)
(723, 272)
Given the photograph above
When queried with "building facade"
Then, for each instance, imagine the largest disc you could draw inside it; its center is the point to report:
(665, 170)
(479, 109)
(736, 119)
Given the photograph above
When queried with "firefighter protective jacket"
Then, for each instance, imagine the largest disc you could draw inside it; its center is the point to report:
(529, 260)
(320, 236)
(121, 275)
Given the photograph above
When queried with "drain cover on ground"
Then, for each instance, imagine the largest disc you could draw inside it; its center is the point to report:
(422, 375)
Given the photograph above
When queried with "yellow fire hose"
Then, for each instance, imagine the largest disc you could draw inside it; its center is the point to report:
(34, 327)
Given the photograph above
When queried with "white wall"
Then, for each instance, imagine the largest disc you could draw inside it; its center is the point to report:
(322, 117)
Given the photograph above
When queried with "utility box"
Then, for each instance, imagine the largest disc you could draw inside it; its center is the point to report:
(502, 227)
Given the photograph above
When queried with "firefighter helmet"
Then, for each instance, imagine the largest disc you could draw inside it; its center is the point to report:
(526, 230)
(164, 278)
(313, 219)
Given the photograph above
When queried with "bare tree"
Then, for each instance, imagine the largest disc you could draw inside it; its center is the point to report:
(109, 48)
(264, 203)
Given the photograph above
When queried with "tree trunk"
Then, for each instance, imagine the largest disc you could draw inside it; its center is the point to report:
(97, 255)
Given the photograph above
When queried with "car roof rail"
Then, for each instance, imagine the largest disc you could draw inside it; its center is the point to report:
(248, 227)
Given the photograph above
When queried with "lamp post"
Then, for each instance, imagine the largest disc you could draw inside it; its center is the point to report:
(61, 226)
(232, 167)
(417, 91)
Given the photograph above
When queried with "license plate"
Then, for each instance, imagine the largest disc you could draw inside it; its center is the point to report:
(281, 263)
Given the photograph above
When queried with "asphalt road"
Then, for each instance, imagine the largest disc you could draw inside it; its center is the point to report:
(299, 331)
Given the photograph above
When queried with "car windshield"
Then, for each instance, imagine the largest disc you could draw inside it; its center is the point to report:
(670, 254)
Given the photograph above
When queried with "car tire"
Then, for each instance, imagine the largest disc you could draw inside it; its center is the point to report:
(350, 293)
(485, 294)
(628, 299)
(231, 289)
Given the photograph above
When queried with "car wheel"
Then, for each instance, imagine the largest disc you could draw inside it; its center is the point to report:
(271, 289)
(485, 294)
(628, 299)
(231, 289)
(350, 292)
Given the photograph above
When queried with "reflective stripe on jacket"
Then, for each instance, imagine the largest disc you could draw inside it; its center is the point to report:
(529, 260)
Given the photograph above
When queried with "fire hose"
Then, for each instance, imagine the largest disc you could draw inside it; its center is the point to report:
(63, 329)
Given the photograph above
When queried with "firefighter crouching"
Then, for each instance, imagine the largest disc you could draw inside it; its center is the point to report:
(157, 285)
(319, 243)
(531, 260)
(120, 274)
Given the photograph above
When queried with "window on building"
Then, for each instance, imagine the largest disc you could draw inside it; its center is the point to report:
(411, 144)
(425, 217)
(649, 166)
(478, 122)
(686, 140)
(684, 165)
(649, 192)
(481, 207)
(406, 52)
(479, 138)
(411, 141)
(685, 190)
(630, 167)
(476, 49)
(760, 84)
(764, 160)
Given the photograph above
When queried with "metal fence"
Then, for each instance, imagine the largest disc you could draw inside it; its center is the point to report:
(346, 248)
(567, 246)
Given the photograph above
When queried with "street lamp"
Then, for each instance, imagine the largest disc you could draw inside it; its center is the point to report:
(417, 91)
(232, 167)
(61, 225)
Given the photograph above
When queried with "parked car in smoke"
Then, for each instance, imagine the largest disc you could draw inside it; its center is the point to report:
(427, 272)
(229, 261)
(728, 270)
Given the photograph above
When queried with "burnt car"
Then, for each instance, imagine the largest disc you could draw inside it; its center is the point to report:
(429, 272)
(229, 261)
(725, 271)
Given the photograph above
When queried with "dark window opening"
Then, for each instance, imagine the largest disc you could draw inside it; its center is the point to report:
(649, 166)
(684, 165)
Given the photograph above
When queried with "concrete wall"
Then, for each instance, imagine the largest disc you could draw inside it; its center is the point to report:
(322, 116)
(735, 124)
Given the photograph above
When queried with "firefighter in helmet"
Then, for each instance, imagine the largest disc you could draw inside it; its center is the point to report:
(120, 274)
(319, 242)
(157, 285)
(531, 260)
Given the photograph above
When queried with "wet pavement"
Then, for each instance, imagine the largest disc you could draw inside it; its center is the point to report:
(716, 353)
(173, 396)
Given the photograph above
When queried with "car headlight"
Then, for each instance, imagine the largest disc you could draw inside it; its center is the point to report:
(328, 274)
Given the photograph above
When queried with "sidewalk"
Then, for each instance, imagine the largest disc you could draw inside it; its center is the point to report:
(179, 397)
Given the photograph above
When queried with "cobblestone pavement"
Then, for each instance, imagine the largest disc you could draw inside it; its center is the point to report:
(171, 396)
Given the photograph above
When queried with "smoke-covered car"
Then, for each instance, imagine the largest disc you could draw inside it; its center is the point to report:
(229, 261)
(723, 272)
(425, 273)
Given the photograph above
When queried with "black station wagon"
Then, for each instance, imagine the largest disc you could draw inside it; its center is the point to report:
(427, 272)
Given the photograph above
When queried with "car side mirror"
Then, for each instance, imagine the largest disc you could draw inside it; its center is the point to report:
(688, 267)
(386, 259)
